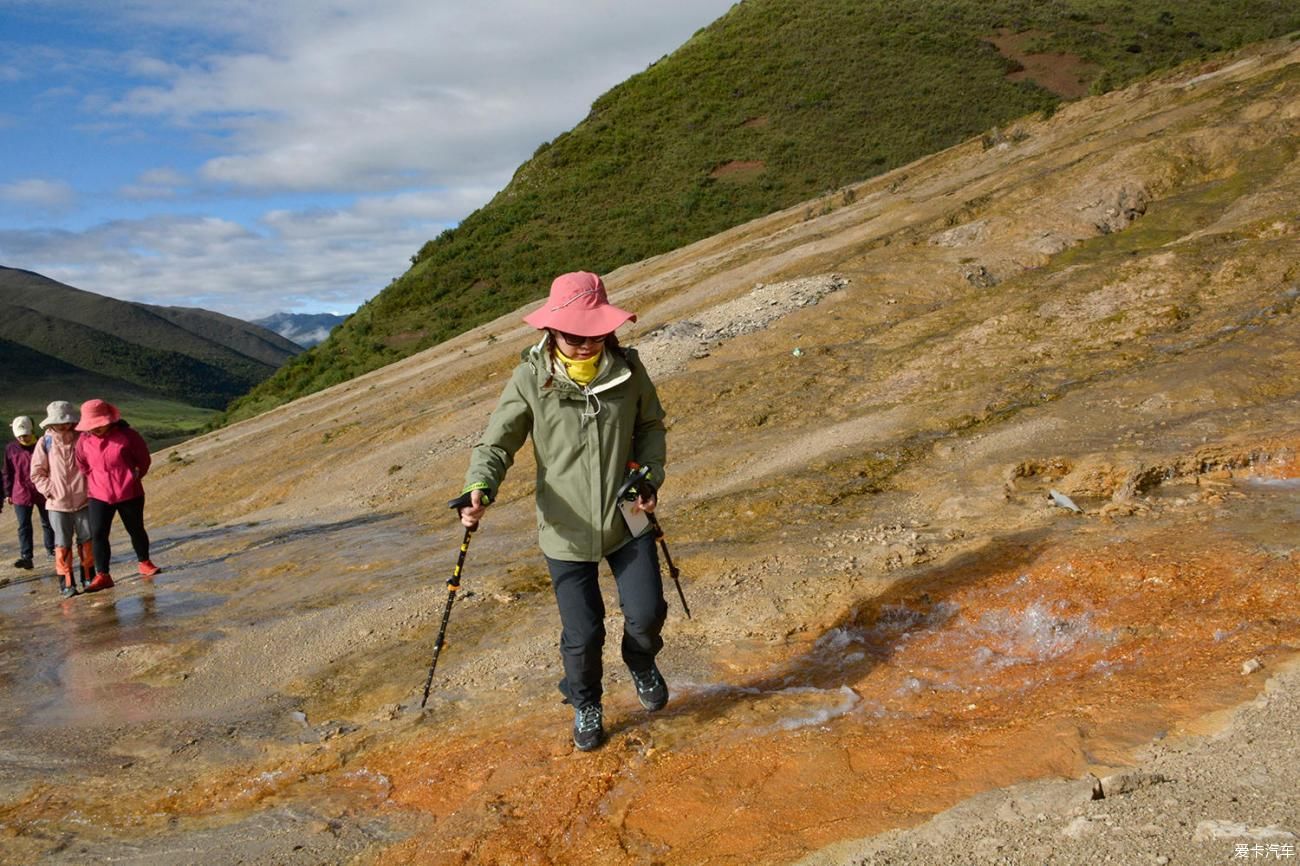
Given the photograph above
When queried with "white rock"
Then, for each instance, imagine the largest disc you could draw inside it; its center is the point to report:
(1207, 830)
(1079, 827)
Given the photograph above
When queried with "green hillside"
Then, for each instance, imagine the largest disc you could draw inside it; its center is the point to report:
(170, 368)
(773, 104)
(33, 379)
(170, 373)
(194, 356)
(229, 335)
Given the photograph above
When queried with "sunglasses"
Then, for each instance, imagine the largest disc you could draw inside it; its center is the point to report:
(576, 340)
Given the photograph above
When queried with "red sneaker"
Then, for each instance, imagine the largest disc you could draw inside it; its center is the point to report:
(148, 569)
(101, 581)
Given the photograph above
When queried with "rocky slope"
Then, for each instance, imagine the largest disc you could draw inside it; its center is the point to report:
(872, 398)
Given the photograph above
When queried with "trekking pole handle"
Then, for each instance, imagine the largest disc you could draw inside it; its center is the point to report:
(466, 500)
(637, 475)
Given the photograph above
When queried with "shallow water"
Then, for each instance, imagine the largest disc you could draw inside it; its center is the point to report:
(1045, 654)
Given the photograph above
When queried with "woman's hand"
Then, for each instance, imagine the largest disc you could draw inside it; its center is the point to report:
(471, 515)
(647, 501)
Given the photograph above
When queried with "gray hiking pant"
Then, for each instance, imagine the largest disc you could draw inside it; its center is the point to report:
(67, 524)
(582, 615)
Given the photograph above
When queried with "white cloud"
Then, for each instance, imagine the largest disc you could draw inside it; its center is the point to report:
(297, 261)
(50, 196)
(146, 66)
(163, 176)
(374, 214)
(376, 95)
(411, 112)
(156, 184)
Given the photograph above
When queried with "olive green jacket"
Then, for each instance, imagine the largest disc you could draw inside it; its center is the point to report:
(583, 439)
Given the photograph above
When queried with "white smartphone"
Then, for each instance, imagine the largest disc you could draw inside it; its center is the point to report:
(635, 518)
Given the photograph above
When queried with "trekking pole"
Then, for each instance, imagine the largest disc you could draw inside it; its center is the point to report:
(672, 569)
(453, 584)
(628, 491)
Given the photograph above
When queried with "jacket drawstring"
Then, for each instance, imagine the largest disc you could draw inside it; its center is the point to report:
(591, 398)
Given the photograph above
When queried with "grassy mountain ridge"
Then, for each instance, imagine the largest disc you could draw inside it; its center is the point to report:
(170, 373)
(60, 342)
(772, 104)
(22, 362)
(246, 338)
(33, 379)
(200, 334)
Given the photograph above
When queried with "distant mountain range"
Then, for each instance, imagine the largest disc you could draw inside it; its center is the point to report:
(60, 342)
(305, 329)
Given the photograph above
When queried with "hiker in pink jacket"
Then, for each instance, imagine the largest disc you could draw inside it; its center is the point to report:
(114, 458)
(56, 474)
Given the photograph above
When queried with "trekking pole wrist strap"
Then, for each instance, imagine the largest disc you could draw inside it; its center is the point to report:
(466, 500)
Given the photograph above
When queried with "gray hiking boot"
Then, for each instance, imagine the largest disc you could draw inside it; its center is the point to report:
(588, 727)
(651, 690)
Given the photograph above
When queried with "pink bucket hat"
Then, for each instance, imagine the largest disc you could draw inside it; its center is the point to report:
(578, 305)
(97, 413)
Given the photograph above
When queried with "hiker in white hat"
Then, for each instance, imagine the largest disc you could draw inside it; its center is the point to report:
(56, 474)
(22, 494)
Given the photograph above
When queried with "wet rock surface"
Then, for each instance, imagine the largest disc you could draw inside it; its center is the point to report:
(892, 615)
(1201, 798)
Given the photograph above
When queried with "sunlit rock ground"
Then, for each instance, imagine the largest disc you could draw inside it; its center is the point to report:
(872, 398)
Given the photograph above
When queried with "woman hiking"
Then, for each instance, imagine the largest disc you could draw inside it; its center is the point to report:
(56, 474)
(591, 409)
(22, 494)
(114, 458)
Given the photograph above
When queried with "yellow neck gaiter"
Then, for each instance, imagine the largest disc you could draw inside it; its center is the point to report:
(581, 372)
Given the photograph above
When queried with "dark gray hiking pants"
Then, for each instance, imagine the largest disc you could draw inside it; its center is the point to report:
(582, 615)
(101, 522)
(25, 539)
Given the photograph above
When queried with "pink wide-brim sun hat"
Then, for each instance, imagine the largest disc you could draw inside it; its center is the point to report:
(97, 413)
(578, 305)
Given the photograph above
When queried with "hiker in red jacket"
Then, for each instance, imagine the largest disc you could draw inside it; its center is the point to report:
(114, 458)
(22, 494)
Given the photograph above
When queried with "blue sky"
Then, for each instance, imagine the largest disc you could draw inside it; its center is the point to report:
(253, 157)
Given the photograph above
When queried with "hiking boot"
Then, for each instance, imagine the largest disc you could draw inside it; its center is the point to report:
(148, 569)
(588, 730)
(22, 562)
(651, 690)
(101, 581)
